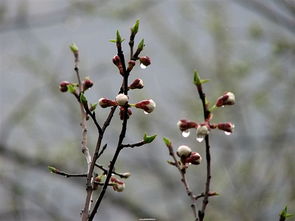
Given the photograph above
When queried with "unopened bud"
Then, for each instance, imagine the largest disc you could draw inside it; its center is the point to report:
(145, 60)
(131, 64)
(226, 99)
(122, 99)
(228, 127)
(116, 60)
(183, 151)
(103, 102)
(122, 113)
(202, 131)
(63, 86)
(185, 125)
(147, 105)
(119, 187)
(125, 175)
(87, 83)
(195, 158)
(136, 84)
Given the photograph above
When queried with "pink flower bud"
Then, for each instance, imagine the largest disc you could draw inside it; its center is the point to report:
(131, 64)
(202, 131)
(136, 84)
(116, 60)
(227, 127)
(147, 105)
(185, 125)
(226, 99)
(145, 60)
(103, 102)
(122, 111)
(87, 83)
(63, 86)
(122, 99)
(194, 158)
(183, 151)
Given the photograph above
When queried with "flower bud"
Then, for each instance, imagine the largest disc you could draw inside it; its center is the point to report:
(122, 111)
(202, 132)
(122, 99)
(125, 175)
(119, 187)
(145, 60)
(63, 86)
(87, 83)
(226, 99)
(116, 60)
(136, 84)
(183, 151)
(227, 127)
(131, 64)
(185, 125)
(103, 102)
(147, 105)
(195, 158)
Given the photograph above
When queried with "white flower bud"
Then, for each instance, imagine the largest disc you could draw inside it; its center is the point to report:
(202, 131)
(119, 187)
(183, 151)
(122, 99)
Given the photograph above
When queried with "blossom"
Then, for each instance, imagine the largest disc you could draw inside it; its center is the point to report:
(227, 99)
(147, 105)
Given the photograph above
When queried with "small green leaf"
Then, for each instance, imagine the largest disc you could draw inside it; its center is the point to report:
(197, 79)
(167, 141)
(203, 81)
(93, 107)
(83, 99)
(149, 139)
(52, 169)
(140, 45)
(134, 29)
(113, 41)
(118, 38)
(74, 48)
(284, 213)
(71, 88)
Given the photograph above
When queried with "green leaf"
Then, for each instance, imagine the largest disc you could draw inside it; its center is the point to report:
(167, 141)
(284, 213)
(93, 107)
(74, 48)
(71, 88)
(52, 169)
(113, 41)
(141, 45)
(149, 139)
(83, 99)
(118, 38)
(134, 29)
(197, 79)
(203, 81)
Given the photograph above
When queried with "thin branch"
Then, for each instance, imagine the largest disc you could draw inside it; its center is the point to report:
(106, 171)
(208, 155)
(141, 143)
(68, 175)
(184, 181)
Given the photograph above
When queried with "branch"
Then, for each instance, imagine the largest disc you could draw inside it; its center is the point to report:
(208, 155)
(67, 175)
(141, 143)
(183, 180)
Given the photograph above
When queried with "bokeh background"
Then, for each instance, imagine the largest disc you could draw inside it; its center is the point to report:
(244, 46)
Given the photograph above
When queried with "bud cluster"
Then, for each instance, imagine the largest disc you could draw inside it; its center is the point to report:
(188, 157)
(203, 129)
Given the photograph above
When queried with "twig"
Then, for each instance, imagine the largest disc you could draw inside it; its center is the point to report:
(133, 145)
(184, 181)
(68, 175)
(201, 212)
(106, 171)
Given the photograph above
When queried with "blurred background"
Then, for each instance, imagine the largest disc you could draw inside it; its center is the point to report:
(243, 46)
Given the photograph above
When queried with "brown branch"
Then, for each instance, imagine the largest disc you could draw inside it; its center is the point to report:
(201, 212)
(141, 143)
(68, 175)
(106, 171)
(184, 181)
